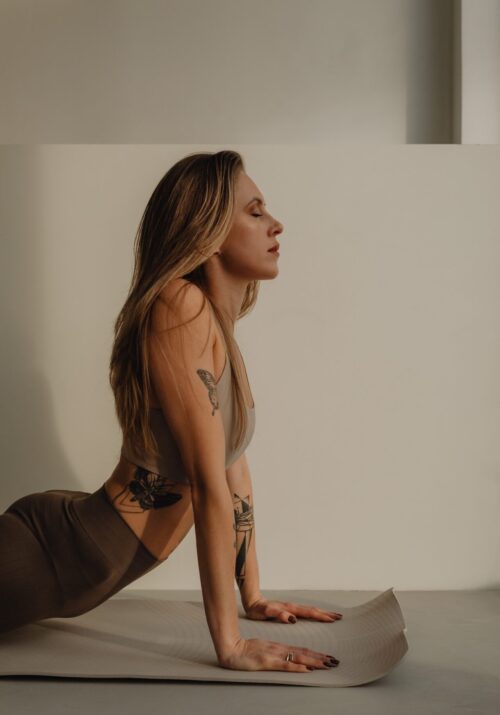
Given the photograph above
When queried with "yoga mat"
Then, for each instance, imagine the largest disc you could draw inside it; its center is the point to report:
(170, 640)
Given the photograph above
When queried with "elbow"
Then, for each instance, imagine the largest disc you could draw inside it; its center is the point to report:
(209, 490)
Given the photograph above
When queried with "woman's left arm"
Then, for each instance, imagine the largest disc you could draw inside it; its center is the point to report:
(246, 568)
(256, 606)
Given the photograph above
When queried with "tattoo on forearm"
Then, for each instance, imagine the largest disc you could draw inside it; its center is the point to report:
(146, 491)
(243, 526)
(210, 383)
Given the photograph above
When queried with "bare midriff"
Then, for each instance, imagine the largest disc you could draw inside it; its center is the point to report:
(160, 514)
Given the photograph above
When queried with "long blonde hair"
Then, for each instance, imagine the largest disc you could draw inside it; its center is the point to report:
(186, 219)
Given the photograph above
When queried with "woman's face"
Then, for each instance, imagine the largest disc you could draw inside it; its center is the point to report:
(245, 252)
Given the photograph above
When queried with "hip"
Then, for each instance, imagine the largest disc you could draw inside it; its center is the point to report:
(91, 550)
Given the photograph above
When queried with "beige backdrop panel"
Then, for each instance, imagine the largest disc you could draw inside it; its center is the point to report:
(373, 356)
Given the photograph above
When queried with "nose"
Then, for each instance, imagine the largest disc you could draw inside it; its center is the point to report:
(278, 227)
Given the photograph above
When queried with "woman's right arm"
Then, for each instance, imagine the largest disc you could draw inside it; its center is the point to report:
(182, 372)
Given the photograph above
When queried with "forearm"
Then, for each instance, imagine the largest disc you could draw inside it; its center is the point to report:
(246, 567)
(213, 518)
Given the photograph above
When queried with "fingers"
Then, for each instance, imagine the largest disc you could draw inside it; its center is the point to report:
(314, 612)
(287, 617)
(297, 667)
(288, 612)
(302, 663)
(317, 655)
(303, 611)
(290, 665)
(299, 652)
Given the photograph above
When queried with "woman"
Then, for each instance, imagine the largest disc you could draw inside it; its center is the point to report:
(186, 411)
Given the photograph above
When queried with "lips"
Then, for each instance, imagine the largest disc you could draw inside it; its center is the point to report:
(274, 248)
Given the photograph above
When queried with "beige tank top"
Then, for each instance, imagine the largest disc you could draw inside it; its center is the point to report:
(169, 463)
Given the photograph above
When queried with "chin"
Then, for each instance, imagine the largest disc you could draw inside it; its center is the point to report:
(269, 275)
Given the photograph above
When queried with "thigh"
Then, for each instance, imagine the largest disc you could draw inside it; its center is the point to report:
(71, 550)
(28, 588)
(72, 559)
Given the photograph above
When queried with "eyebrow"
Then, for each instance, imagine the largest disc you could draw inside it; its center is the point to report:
(256, 198)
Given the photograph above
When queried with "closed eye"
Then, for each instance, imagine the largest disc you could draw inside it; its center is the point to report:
(257, 215)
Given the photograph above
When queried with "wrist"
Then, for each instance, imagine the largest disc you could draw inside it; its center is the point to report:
(247, 602)
(227, 648)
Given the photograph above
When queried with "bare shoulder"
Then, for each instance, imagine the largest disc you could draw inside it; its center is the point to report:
(182, 303)
(182, 299)
(181, 294)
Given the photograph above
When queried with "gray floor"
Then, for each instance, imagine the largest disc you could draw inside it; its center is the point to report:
(452, 666)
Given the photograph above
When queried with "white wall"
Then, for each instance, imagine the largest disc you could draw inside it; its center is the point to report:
(227, 71)
(373, 356)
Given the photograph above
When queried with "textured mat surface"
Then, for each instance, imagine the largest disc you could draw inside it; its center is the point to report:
(157, 639)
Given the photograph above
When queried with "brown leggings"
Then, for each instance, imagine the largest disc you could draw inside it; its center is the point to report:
(63, 553)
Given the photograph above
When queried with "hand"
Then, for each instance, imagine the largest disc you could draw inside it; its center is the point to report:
(259, 654)
(261, 609)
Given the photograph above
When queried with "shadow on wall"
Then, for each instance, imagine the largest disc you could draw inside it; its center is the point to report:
(33, 458)
(433, 72)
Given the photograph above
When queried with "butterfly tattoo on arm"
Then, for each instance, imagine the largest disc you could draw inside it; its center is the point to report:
(209, 381)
